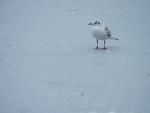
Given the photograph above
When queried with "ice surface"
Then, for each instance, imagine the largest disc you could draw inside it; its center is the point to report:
(48, 63)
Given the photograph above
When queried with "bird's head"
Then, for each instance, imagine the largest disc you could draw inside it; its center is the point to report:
(95, 23)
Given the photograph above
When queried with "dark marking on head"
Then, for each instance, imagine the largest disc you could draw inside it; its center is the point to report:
(97, 22)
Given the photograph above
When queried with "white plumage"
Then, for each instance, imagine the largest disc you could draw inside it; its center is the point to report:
(100, 32)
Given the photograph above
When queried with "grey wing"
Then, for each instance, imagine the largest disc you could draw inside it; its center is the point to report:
(108, 32)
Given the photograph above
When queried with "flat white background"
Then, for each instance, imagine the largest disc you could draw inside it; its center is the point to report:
(48, 63)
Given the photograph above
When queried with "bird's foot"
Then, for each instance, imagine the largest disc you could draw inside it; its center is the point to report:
(104, 48)
(97, 47)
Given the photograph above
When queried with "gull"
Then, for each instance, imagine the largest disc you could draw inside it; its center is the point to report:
(101, 32)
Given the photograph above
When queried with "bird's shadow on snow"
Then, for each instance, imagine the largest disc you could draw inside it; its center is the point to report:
(107, 49)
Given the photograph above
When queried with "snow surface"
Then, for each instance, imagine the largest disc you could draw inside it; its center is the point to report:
(48, 63)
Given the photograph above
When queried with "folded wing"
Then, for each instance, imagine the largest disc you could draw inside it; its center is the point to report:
(108, 32)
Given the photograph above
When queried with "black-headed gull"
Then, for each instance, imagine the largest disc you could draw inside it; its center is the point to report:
(101, 32)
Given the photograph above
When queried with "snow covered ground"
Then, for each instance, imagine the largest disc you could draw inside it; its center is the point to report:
(48, 63)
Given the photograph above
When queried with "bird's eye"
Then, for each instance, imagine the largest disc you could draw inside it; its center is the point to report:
(98, 22)
(95, 22)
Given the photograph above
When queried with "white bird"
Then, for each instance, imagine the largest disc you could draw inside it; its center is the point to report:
(101, 32)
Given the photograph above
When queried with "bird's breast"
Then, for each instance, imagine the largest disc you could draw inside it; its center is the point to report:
(99, 33)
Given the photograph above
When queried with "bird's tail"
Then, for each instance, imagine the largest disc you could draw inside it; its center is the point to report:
(114, 38)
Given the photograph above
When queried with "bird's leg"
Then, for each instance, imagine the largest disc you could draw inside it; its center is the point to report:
(104, 44)
(97, 45)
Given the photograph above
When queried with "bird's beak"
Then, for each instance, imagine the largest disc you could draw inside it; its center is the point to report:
(90, 24)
